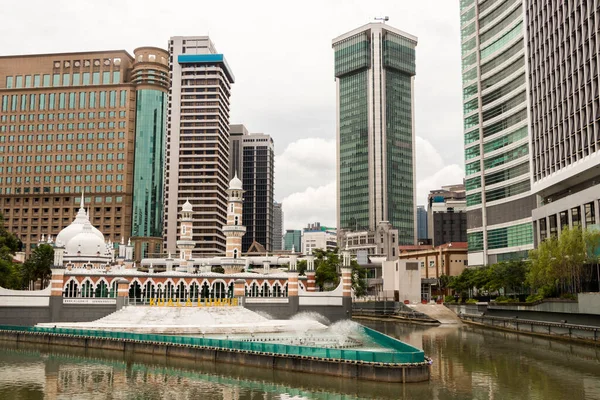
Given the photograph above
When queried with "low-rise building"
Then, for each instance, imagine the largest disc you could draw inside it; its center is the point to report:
(434, 261)
(315, 236)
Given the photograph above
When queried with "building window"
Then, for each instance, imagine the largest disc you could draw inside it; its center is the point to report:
(590, 214)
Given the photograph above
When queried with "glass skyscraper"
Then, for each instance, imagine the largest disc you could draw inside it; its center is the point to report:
(375, 72)
(496, 131)
(150, 74)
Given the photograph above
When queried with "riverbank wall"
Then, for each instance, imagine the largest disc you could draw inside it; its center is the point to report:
(331, 364)
(583, 311)
(561, 331)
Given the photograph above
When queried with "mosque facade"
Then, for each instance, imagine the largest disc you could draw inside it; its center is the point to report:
(91, 267)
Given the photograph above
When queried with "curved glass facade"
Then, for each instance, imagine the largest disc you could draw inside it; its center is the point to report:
(147, 220)
(495, 123)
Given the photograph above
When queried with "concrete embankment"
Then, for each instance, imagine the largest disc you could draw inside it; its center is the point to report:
(381, 372)
(561, 331)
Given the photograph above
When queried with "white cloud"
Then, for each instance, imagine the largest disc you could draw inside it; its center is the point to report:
(308, 162)
(432, 173)
(310, 205)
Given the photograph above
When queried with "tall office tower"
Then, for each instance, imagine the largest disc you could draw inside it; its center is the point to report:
(375, 72)
(150, 74)
(564, 47)
(67, 127)
(197, 142)
(251, 156)
(277, 226)
(422, 223)
(496, 130)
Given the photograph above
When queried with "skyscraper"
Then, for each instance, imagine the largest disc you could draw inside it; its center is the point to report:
(563, 46)
(375, 72)
(251, 156)
(496, 131)
(422, 223)
(150, 74)
(198, 141)
(277, 226)
(67, 126)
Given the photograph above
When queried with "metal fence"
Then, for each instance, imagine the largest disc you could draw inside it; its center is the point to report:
(396, 352)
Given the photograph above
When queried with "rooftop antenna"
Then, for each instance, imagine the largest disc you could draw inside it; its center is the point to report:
(383, 19)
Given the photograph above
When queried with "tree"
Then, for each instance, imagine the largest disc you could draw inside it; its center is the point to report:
(327, 264)
(557, 263)
(301, 267)
(9, 245)
(39, 265)
(359, 279)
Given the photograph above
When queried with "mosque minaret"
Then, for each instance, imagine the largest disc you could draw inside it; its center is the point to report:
(234, 230)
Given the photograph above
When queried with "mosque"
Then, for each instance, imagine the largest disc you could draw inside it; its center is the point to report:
(91, 268)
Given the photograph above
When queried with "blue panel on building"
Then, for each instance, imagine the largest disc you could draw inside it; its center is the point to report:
(205, 58)
(196, 58)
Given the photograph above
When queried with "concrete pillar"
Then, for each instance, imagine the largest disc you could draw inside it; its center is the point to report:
(597, 211)
(57, 282)
(426, 266)
(346, 282)
(239, 290)
(311, 283)
(122, 293)
(56, 294)
(293, 263)
(292, 284)
(293, 299)
(266, 267)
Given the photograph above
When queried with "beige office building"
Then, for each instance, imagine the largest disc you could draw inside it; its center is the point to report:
(67, 126)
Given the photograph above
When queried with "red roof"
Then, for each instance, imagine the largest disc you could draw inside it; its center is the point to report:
(456, 245)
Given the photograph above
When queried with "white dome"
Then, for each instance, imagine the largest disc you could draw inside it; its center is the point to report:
(76, 227)
(235, 183)
(187, 207)
(86, 243)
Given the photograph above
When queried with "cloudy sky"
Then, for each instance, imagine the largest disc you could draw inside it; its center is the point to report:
(280, 53)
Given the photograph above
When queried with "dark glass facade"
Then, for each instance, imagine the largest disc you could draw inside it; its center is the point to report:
(148, 183)
(257, 178)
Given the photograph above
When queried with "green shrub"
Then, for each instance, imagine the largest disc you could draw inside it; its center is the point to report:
(449, 299)
(568, 296)
(534, 297)
(471, 301)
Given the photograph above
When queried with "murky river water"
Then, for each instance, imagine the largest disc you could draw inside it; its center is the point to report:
(469, 363)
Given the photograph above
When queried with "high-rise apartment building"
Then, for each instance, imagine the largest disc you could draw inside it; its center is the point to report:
(496, 130)
(150, 74)
(197, 154)
(563, 48)
(251, 157)
(67, 126)
(375, 72)
(277, 226)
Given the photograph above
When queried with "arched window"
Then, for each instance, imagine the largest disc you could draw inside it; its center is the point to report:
(71, 289)
(236, 220)
(234, 253)
(87, 290)
(101, 289)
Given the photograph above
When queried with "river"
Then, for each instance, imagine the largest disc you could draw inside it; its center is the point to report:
(468, 363)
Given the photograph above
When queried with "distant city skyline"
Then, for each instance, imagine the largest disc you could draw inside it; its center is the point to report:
(295, 101)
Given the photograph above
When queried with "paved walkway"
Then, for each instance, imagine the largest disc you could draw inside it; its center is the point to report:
(439, 312)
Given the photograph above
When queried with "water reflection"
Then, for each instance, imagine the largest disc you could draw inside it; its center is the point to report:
(468, 364)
